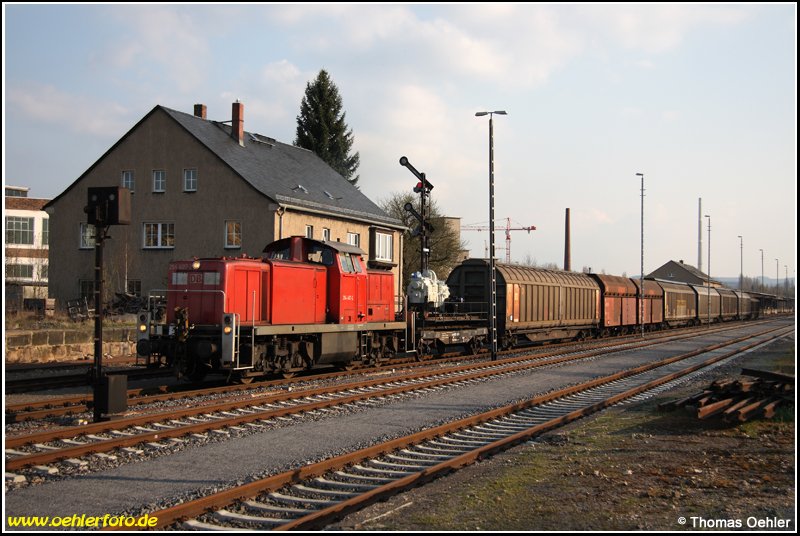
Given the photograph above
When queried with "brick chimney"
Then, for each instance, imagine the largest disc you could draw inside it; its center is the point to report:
(237, 126)
(200, 111)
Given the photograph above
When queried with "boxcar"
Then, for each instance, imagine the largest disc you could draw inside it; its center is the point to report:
(619, 303)
(532, 303)
(729, 304)
(651, 311)
(680, 304)
(708, 304)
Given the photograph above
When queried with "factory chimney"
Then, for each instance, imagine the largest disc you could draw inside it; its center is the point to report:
(567, 246)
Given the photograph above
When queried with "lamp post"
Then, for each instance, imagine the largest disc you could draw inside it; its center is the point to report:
(762, 269)
(741, 263)
(777, 277)
(708, 305)
(641, 271)
(492, 265)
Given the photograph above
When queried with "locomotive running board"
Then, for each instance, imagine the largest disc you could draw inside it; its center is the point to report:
(302, 329)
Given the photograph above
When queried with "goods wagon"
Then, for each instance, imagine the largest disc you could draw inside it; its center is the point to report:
(532, 303)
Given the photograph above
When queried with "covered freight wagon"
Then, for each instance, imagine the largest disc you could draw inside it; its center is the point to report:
(532, 303)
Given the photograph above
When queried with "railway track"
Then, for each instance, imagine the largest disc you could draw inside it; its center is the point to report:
(316, 494)
(73, 405)
(158, 430)
(25, 385)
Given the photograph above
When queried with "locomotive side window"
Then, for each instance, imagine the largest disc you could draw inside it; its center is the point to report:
(320, 255)
(180, 278)
(356, 260)
(279, 254)
(346, 263)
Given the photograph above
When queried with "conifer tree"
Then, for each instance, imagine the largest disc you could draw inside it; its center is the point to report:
(321, 127)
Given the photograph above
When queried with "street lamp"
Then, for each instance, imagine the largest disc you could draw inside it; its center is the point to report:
(777, 277)
(708, 305)
(762, 269)
(641, 271)
(741, 263)
(492, 265)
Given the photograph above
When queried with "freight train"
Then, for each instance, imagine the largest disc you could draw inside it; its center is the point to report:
(308, 304)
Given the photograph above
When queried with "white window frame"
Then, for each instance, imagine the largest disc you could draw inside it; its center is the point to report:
(159, 181)
(309, 231)
(384, 247)
(128, 180)
(326, 234)
(18, 227)
(190, 180)
(354, 239)
(87, 234)
(162, 232)
(237, 233)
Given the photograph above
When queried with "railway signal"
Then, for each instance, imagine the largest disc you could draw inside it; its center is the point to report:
(106, 206)
(423, 188)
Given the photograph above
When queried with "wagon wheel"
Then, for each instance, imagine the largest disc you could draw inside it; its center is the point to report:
(473, 346)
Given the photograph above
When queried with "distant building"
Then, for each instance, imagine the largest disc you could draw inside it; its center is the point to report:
(27, 247)
(204, 188)
(682, 273)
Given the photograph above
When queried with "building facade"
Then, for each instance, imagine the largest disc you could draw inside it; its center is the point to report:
(203, 188)
(27, 246)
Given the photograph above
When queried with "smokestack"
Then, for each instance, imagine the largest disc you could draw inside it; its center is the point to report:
(237, 126)
(700, 234)
(567, 246)
(200, 111)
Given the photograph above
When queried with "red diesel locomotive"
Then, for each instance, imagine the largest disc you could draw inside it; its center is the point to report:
(306, 303)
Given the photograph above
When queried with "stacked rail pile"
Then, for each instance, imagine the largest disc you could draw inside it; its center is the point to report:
(740, 400)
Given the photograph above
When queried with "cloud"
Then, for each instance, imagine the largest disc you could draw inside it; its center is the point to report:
(78, 113)
(656, 28)
(170, 38)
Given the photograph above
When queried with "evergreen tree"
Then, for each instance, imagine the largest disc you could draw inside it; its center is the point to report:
(321, 127)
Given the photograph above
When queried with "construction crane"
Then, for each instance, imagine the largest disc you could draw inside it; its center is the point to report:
(507, 229)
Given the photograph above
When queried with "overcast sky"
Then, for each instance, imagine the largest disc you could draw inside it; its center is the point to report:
(701, 99)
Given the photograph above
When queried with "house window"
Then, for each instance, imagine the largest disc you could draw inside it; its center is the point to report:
(383, 247)
(44, 272)
(45, 231)
(19, 230)
(309, 231)
(19, 271)
(159, 181)
(134, 287)
(128, 180)
(189, 180)
(159, 235)
(354, 239)
(326, 234)
(87, 236)
(233, 234)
